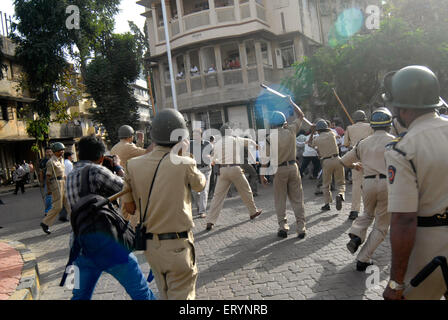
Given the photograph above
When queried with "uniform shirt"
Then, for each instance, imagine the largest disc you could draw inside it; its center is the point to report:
(230, 150)
(356, 132)
(326, 144)
(101, 181)
(425, 146)
(371, 152)
(169, 208)
(59, 170)
(286, 141)
(126, 151)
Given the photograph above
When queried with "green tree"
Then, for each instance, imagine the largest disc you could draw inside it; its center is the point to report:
(356, 68)
(108, 79)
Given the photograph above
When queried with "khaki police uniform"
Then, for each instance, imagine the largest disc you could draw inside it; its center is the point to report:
(370, 151)
(169, 212)
(355, 133)
(228, 154)
(418, 183)
(327, 148)
(56, 185)
(287, 180)
(125, 151)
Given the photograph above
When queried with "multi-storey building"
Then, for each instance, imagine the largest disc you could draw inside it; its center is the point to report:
(223, 49)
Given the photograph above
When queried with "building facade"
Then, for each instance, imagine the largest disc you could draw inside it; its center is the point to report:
(223, 49)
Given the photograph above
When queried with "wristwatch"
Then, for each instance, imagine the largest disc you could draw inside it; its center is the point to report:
(395, 285)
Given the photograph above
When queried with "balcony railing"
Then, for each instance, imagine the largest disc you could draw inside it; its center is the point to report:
(232, 77)
(261, 12)
(245, 11)
(225, 14)
(198, 19)
(175, 27)
(196, 83)
(161, 33)
(181, 86)
(252, 74)
(211, 80)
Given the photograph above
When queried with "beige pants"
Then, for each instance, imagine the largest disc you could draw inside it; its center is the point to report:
(430, 242)
(173, 263)
(332, 167)
(229, 175)
(375, 208)
(287, 183)
(357, 177)
(58, 200)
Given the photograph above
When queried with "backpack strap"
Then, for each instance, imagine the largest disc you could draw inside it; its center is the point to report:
(85, 184)
(150, 189)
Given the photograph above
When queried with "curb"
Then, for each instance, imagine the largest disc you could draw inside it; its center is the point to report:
(29, 284)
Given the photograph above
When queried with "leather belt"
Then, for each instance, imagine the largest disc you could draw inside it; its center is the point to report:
(57, 178)
(286, 163)
(168, 236)
(437, 220)
(228, 165)
(381, 176)
(333, 156)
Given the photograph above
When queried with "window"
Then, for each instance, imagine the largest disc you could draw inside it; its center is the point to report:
(195, 68)
(209, 59)
(215, 119)
(166, 71)
(288, 56)
(193, 6)
(180, 67)
(260, 2)
(250, 53)
(6, 112)
(266, 57)
(230, 54)
(223, 3)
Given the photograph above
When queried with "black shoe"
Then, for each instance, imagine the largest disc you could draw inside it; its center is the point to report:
(301, 235)
(64, 220)
(318, 193)
(353, 215)
(209, 226)
(255, 194)
(45, 228)
(354, 243)
(282, 234)
(326, 207)
(362, 266)
(339, 200)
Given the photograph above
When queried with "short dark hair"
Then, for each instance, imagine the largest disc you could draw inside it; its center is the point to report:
(91, 148)
(47, 148)
(67, 154)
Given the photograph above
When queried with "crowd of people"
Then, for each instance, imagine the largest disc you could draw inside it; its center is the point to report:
(399, 185)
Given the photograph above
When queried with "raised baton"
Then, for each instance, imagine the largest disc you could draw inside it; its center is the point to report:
(283, 96)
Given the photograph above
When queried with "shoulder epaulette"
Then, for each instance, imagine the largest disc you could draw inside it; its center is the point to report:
(393, 146)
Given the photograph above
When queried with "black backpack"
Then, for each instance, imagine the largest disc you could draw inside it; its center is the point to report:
(95, 222)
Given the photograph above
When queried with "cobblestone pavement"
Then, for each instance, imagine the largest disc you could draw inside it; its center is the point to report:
(239, 259)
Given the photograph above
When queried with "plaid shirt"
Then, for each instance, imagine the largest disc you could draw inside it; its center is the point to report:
(101, 181)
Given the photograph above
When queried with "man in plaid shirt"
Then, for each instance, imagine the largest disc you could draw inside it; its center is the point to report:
(123, 266)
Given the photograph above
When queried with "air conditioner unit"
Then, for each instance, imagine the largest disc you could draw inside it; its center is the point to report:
(278, 57)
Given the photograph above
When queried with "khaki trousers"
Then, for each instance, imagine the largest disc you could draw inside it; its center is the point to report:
(173, 263)
(375, 208)
(430, 242)
(357, 177)
(287, 183)
(58, 200)
(332, 167)
(229, 175)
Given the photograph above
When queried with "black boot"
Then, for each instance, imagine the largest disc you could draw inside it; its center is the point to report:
(354, 243)
(339, 200)
(362, 266)
(326, 207)
(45, 228)
(282, 234)
(353, 215)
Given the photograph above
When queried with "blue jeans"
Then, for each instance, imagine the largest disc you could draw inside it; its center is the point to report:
(128, 274)
(48, 200)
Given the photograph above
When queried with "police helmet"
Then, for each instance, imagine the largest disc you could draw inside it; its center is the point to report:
(381, 118)
(277, 119)
(125, 132)
(165, 123)
(359, 115)
(413, 87)
(57, 146)
(321, 125)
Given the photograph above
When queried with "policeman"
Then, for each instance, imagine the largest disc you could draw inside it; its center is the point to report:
(166, 209)
(328, 151)
(228, 154)
(55, 172)
(416, 164)
(370, 152)
(397, 128)
(354, 133)
(126, 149)
(287, 181)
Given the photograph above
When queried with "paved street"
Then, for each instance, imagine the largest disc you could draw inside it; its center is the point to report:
(238, 259)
